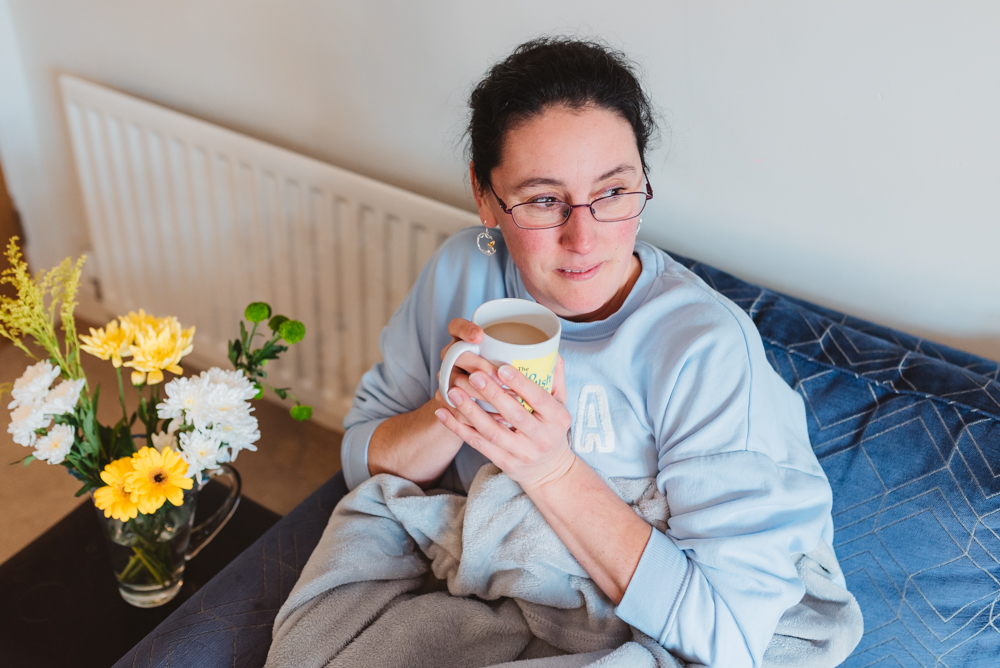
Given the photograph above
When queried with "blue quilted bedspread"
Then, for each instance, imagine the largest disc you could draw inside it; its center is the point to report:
(908, 432)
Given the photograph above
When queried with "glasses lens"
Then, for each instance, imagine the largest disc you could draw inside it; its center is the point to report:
(619, 207)
(539, 214)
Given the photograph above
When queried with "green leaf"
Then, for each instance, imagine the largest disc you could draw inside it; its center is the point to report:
(260, 391)
(301, 413)
(87, 486)
(235, 349)
(281, 392)
(276, 322)
(257, 312)
(243, 332)
(29, 459)
(292, 331)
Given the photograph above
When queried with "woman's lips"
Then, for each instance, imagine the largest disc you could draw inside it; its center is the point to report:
(579, 273)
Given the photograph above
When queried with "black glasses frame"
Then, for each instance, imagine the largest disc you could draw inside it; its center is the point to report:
(569, 210)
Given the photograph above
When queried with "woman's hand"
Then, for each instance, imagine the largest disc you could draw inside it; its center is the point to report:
(467, 363)
(535, 450)
(464, 330)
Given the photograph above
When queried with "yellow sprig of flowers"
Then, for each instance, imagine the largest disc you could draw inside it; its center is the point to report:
(33, 312)
(142, 483)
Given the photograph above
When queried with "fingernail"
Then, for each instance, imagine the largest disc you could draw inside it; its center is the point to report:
(455, 396)
(478, 380)
(506, 372)
(441, 414)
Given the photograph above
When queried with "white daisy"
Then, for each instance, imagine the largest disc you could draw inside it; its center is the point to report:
(219, 404)
(241, 436)
(164, 440)
(183, 394)
(33, 384)
(62, 399)
(200, 451)
(24, 421)
(54, 446)
(234, 379)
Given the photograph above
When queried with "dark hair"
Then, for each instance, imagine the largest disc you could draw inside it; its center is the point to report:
(553, 71)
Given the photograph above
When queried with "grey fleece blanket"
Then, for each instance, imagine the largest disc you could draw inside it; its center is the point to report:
(407, 578)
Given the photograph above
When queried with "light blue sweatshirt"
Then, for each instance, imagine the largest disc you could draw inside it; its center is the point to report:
(674, 385)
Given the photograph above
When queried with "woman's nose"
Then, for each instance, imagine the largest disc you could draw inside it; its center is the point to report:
(578, 233)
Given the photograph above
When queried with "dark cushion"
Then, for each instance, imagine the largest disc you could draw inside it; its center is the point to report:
(907, 431)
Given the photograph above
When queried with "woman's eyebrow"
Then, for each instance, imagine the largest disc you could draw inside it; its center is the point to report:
(536, 181)
(623, 168)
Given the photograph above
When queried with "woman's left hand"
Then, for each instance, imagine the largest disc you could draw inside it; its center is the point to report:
(535, 449)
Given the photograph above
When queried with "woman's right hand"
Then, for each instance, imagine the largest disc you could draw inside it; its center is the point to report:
(467, 363)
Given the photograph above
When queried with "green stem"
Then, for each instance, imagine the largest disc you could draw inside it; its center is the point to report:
(131, 568)
(287, 393)
(147, 562)
(121, 393)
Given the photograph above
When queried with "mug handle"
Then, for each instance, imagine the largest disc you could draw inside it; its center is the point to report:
(203, 534)
(448, 363)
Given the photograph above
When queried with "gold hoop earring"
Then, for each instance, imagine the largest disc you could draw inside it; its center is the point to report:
(490, 248)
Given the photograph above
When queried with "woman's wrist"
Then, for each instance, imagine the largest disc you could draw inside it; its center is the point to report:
(605, 535)
(557, 480)
(413, 445)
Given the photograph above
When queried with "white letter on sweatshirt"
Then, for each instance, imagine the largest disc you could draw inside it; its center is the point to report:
(593, 422)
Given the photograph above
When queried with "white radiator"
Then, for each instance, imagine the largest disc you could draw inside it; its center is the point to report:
(193, 220)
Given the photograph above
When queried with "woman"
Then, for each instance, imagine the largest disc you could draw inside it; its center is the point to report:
(659, 375)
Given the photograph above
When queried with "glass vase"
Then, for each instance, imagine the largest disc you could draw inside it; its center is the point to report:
(148, 553)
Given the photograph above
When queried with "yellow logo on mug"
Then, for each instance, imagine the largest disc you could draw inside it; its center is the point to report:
(539, 371)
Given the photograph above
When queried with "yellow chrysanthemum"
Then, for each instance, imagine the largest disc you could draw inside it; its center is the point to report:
(159, 350)
(116, 499)
(111, 342)
(157, 477)
(134, 322)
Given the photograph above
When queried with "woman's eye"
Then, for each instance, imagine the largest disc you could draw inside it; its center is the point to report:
(617, 190)
(543, 200)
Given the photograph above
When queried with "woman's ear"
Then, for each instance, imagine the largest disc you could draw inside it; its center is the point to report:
(486, 214)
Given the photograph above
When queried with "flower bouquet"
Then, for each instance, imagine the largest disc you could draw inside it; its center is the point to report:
(144, 484)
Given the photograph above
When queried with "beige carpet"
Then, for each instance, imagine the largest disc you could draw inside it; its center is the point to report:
(292, 460)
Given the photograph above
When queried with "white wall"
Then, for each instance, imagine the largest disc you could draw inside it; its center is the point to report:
(846, 152)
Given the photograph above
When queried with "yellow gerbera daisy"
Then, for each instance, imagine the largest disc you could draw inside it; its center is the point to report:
(110, 342)
(159, 350)
(116, 499)
(157, 477)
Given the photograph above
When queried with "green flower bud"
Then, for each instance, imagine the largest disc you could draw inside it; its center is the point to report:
(292, 331)
(257, 312)
(301, 413)
(276, 322)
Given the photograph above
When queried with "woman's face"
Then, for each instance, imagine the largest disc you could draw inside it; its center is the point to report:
(582, 269)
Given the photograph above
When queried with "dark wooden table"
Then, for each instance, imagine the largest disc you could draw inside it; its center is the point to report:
(59, 602)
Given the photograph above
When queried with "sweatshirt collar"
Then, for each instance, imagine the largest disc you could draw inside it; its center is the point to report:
(598, 329)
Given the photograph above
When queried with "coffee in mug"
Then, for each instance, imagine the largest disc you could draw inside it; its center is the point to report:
(519, 332)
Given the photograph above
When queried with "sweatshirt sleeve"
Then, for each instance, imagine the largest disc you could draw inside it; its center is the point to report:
(411, 343)
(745, 492)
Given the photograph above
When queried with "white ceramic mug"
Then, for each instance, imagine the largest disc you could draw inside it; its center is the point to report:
(537, 361)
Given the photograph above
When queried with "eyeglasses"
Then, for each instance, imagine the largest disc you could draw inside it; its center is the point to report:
(607, 209)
